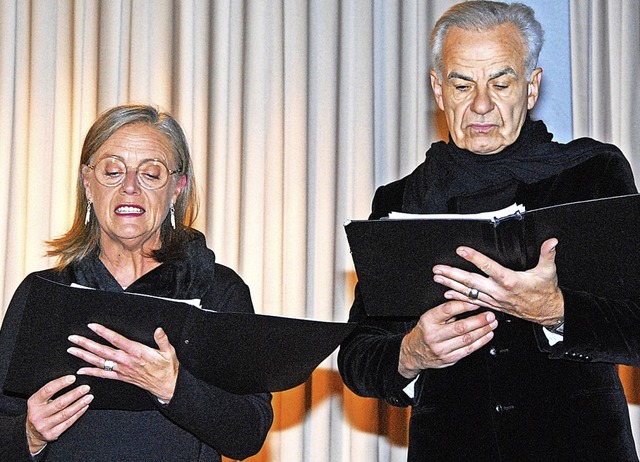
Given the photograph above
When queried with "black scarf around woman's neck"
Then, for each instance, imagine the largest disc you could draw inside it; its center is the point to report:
(189, 277)
(449, 171)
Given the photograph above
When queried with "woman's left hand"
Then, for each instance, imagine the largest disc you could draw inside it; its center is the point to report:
(532, 295)
(153, 370)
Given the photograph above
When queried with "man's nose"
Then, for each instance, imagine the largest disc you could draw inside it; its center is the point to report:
(482, 102)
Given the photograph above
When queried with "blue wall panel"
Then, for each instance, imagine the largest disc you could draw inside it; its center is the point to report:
(554, 105)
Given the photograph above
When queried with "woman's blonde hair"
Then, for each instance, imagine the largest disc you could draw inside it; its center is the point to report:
(83, 239)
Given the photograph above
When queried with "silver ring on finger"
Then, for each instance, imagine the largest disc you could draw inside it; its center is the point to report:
(473, 294)
(109, 365)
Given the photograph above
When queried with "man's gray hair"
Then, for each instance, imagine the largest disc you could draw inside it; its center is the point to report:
(481, 15)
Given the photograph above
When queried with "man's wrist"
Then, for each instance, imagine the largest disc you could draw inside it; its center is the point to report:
(557, 327)
(406, 361)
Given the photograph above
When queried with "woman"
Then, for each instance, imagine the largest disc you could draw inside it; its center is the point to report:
(135, 191)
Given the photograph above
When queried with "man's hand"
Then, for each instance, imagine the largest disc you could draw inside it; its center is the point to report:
(440, 340)
(532, 295)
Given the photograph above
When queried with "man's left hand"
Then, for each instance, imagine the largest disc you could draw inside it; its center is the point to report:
(532, 295)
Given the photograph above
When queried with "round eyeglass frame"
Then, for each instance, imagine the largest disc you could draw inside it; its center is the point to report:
(140, 178)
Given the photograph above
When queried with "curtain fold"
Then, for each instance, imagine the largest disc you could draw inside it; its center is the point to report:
(605, 41)
(295, 111)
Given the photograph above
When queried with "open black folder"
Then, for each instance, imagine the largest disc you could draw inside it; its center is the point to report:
(598, 251)
(240, 352)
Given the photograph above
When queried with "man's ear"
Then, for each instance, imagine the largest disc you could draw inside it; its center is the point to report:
(436, 86)
(533, 91)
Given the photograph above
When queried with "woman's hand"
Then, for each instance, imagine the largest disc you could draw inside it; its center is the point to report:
(532, 295)
(153, 370)
(48, 418)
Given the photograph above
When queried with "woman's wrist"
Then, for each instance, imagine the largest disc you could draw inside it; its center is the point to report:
(36, 445)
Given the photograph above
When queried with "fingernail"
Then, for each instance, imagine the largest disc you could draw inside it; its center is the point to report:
(92, 326)
(73, 338)
(70, 378)
(85, 388)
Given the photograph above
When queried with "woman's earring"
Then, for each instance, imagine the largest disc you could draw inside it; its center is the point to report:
(172, 212)
(87, 217)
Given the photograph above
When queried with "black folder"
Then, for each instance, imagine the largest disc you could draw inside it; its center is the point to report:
(240, 352)
(598, 251)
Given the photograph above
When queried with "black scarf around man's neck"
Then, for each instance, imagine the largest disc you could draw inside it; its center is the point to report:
(449, 171)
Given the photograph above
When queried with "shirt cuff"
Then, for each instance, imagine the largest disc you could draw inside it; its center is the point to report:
(410, 390)
(552, 337)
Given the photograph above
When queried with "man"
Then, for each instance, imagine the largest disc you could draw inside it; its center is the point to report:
(512, 367)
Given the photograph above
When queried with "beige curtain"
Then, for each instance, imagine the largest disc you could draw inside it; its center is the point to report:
(295, 111)
(605, 56)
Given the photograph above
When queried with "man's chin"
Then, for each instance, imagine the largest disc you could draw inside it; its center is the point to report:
(485, 150)
(484, 146)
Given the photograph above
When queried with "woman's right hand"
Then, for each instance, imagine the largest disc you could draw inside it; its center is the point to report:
(48, 418)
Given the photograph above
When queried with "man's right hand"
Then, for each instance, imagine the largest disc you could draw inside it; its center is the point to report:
(440, 340)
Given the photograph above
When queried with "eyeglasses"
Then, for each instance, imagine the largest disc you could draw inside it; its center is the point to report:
(151, 173)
